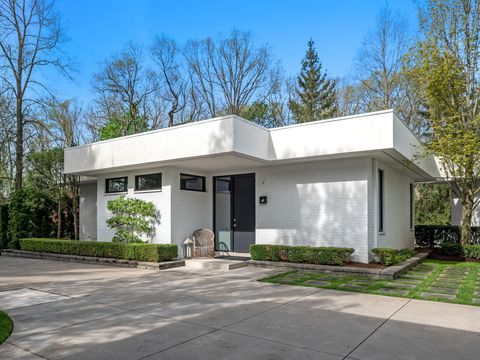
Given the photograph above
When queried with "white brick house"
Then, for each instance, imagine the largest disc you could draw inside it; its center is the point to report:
(338, 182)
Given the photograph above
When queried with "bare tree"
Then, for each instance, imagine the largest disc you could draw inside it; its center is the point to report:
(123, 87)
(350, 99)
(7, 146)
(30, 35)
(231, 72)
(165, 54)
(379, 71)
(65, 123)
(380, 59)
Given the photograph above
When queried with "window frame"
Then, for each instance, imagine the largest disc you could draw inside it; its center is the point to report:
(381, 201)
(107, 188)
(194, 176)
(412, 206)
(136, 189)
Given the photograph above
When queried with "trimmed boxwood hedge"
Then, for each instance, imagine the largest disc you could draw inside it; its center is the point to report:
(472, 251)
(135, 251)
(467, 251)
(388, 256)
(301, 254)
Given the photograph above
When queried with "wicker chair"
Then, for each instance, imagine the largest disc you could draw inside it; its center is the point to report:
(203, 243)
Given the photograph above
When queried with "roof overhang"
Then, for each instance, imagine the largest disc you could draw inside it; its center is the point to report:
(231, 142)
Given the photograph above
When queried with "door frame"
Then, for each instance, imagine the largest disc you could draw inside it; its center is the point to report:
(232, 201)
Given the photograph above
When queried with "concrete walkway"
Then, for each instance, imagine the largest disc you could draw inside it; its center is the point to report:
(76, 311)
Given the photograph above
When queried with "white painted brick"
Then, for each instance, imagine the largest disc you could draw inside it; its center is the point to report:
(316, 204)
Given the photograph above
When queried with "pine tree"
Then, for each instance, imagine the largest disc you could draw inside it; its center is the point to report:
(315, 94)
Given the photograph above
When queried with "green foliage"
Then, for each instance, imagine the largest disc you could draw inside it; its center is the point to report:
(301, 254)
(388, 256)
(138, 252)
(30, 213)
(432, 204)
(472, 251)
(6, 326)
(3, 225)
(131, 218)
(315, 94)
(45, 169)
(451, 249)
(446, 74)
(121, 126)
(255, 112)
(433, 236)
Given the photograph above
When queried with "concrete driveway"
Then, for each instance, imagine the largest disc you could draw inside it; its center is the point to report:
(76, 311)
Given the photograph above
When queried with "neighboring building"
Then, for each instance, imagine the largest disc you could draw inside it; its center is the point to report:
(339, 182)
(456, 212)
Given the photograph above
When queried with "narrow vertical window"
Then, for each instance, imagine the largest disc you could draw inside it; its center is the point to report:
(412, 204)
(381, 204)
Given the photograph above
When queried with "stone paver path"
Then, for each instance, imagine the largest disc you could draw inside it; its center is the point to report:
(431, 280)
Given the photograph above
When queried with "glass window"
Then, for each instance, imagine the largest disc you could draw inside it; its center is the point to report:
(115, 185)
(412, 205)
(381, 196)
(148, 182)
(192, 182)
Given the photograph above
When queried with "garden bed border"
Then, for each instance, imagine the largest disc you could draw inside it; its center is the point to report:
(94, 260)
(388, 273)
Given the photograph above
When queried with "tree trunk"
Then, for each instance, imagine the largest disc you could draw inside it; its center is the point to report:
(75, 208)
(19, 146)
(467, 211)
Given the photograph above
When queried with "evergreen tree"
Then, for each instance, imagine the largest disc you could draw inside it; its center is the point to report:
(315, 94)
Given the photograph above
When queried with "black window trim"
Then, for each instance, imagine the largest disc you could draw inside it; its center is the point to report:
(147, 190)
(107, 191)
(412, 206)
(195, 176)
(381, 201)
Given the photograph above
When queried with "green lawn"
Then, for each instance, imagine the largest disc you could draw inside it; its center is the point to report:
(455, 282)
(6, 326)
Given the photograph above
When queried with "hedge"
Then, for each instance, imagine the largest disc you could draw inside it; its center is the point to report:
(301, 254)
(433, 236)
(388, 256)
(467, 251)
(472, 251)
(138, 252)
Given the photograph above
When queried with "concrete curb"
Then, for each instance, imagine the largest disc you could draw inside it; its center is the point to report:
(388, 273)
(94, 260)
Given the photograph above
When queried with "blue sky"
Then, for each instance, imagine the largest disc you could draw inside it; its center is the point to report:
(98, 28)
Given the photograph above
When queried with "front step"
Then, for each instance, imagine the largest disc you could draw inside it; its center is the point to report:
(216, 264)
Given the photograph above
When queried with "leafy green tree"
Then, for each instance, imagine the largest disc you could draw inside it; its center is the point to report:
(30, 215)
(446, 68)
(432, 204)
(115, 127)
(314, 97)
(132, 218)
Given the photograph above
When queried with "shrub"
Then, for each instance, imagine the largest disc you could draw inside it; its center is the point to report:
(451, 249)
(388, 256)
(433, 236)
(301, 254)
(131, 218)
(472, 251)
(29, 215)
(138, 252)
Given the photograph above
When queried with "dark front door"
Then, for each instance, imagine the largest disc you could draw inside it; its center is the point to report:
(235, 212)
